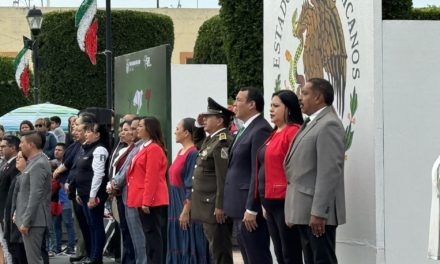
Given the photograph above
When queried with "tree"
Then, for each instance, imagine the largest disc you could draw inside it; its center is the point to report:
(68, 77)
(10, 94)
(396, 9)
(209, 46)
(243, 40)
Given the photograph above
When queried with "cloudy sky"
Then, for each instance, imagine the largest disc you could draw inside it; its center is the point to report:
(153, 3)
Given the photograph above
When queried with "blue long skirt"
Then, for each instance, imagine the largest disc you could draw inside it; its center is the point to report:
(184, 246)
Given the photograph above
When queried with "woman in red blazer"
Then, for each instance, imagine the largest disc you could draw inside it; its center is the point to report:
(271, 181)
(147, 187)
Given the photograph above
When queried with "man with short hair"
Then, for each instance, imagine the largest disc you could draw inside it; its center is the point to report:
(55, 123)
(10, 147)
(240, 202)
(314, 166)
(32, 210)
(50, 140)
(207, 199)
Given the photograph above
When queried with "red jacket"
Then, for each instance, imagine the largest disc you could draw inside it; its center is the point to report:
(146, 180)
(277, 146)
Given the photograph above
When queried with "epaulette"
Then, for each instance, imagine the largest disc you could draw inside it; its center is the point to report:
(222, 136)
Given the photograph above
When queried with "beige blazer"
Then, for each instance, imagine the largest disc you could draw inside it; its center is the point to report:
(314, 167)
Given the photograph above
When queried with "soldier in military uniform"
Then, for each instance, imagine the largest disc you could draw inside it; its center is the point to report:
(208, 183)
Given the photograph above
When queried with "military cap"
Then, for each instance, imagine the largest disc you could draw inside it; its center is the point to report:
(215, 108)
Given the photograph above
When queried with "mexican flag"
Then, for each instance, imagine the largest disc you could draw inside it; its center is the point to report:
(22, 71)
(87, 26)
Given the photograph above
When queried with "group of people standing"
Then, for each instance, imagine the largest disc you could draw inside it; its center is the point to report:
(25, 185)
(283, 184)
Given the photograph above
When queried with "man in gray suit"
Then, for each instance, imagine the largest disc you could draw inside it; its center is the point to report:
(314, 165)
(32, 208)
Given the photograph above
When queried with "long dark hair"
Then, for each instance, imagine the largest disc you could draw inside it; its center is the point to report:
(152, 126)
(290, 100)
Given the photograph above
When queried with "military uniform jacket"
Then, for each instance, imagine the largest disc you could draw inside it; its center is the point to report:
(209, 177)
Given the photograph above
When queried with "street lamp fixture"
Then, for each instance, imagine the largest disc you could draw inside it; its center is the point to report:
(35, 20)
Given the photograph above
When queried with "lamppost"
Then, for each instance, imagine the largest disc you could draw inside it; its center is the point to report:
(35, 19)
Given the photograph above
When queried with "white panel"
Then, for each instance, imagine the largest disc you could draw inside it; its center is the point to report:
(191, 85)
(411, 88)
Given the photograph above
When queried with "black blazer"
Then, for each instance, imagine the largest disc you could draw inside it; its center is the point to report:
(242, 168)
(7, 173)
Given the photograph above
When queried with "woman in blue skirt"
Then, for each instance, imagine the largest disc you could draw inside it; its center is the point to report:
(186, 240)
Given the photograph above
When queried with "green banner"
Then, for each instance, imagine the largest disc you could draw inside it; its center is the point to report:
(143, 86)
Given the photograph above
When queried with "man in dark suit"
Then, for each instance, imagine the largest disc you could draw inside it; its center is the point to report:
(240, 204)
(9, 146)
(208, 183)
(314, 165)
(32, 210)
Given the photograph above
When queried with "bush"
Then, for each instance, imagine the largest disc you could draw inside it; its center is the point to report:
(209, 49)
(67, 76)
(426, 13)
(243, 42)
(10, 94)
(396, 9)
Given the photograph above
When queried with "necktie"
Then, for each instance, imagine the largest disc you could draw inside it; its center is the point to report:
(306, 121)
(240, 131)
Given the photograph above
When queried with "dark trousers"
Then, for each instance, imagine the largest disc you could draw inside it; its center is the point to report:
(318, 250)
(95, 221)
(82, 222)
(127, 245)
(18, 253)
(286, 241)
(151, 225)
(219, 237)
(255, 245)
(44, 252)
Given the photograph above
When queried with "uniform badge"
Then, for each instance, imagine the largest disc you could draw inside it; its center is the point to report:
(224, 153)
(203, 153)
(222, 136)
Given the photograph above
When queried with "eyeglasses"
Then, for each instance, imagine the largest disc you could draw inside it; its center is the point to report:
(38, 125)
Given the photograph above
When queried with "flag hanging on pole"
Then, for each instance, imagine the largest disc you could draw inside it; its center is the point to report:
(87, 28)
(22, 70)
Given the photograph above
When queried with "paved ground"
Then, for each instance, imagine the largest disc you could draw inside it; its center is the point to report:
(65, 259)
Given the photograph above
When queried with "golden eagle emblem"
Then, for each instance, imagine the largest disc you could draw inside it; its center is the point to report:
(321, 36)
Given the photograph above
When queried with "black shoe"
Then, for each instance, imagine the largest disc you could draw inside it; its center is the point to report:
(80, 261)
(75, 258)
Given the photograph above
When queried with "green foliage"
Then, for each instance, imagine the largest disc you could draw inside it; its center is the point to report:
(243, 42)
(426, 13)
(10, 95)
(68, 77)
(396, 9)
(209, 49)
